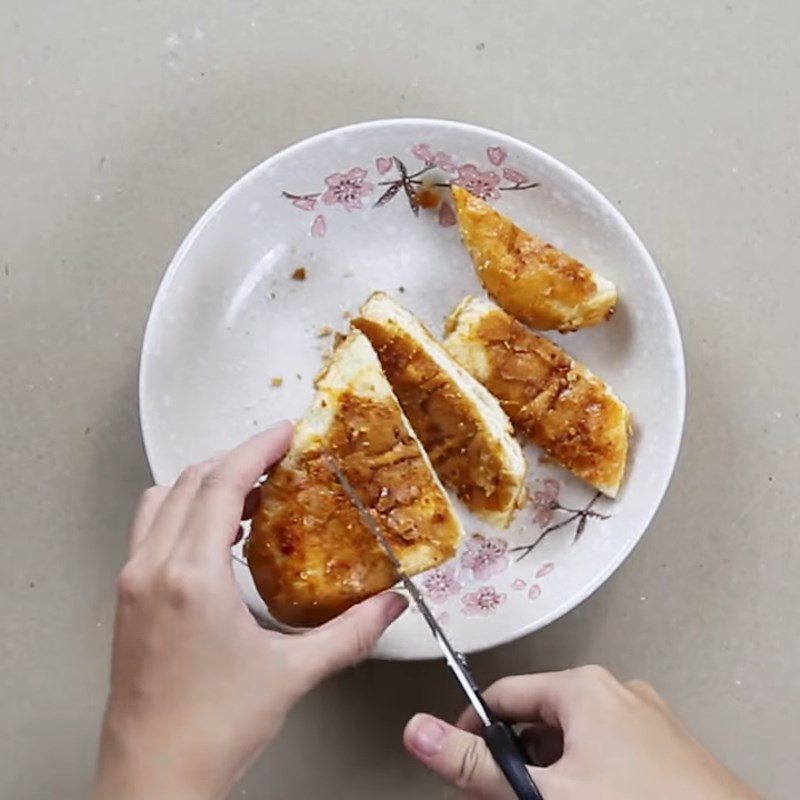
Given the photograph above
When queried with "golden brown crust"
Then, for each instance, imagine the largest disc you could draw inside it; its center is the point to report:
(534, 281)
(310, 553)
(468, 456)
(555, 401)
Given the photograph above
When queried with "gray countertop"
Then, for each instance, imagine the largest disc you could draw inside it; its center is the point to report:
(120, 122)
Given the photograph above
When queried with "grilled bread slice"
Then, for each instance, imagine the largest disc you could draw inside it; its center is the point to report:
(530, 279)
(555, 401)
(310, 553)
(465, 432)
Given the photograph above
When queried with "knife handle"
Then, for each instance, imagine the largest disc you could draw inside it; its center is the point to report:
(509, 753)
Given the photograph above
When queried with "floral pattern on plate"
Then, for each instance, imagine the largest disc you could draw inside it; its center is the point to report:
(485, 556)
(350, 188)
(546, 503)
(484, 600)
(440, 583)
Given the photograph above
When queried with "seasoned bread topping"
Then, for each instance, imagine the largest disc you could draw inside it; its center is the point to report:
(555, 401)
(466, 456)
(310, 553)
(534, 281)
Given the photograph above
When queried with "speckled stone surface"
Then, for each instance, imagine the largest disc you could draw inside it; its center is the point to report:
(120, 122)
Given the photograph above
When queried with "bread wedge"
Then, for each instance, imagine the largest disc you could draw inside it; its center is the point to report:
(532, 280)
(555, 401)
(309, 552)
(465, 432)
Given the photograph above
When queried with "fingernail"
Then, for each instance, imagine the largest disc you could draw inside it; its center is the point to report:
(426, 735)
(395, 606)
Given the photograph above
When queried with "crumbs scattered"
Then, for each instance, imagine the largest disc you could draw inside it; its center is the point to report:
(298, 376)
(277, 382)
(338, 338)
(32, 585)
(480, 46)
(272, 295)
(401, 289)
(348, 273)
(346, 315)
(87, 431)
(299, 274)
(323, 331)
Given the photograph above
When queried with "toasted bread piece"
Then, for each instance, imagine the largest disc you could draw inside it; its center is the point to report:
(532, 280)
(468, 437)
(309, 551)
(555, 401)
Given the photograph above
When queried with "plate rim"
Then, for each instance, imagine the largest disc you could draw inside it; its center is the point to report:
(587, 590)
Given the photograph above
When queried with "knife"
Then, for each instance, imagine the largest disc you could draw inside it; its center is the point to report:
(502, 740)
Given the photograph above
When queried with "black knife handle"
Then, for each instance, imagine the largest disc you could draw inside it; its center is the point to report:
(509, 753)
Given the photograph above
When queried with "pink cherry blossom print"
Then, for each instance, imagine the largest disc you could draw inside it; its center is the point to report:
(515, 176)
(518, 585)
(443, 618)
(447, 217)
(319, 227)
(485, 556)
(545, 569)
(347, 188)
(305, 203)
(535, 592)
(482, 601)
(445, 162)
(383, 164)
(497, 155)
(440, 583)
(423, 152)
(545, 502)
(481, 184)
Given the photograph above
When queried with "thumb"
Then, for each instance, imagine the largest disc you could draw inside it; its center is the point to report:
(461, 759)
(352, 636)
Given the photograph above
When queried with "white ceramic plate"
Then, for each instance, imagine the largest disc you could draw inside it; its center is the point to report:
(228, 318)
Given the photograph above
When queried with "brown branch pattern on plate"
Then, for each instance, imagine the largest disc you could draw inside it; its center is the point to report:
(546, 504)
(351, 188)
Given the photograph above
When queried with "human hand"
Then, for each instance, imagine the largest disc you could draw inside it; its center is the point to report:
(613, 741)
(197, 687)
